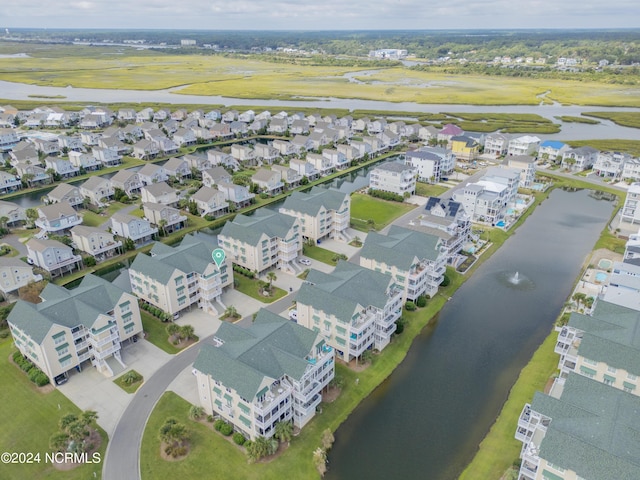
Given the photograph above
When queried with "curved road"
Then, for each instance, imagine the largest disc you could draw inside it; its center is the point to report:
(123, 452)
(122, 458)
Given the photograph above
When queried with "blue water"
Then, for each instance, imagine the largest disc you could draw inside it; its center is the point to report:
(601, 277)
(500, 223)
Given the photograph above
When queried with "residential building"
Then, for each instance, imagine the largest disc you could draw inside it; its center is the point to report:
(15, 274)
(32, 175)
(322, 164)
(52, 256)
(526, 164)
(290, 177)
(72, 329)
(552, 149)
(432, 163)
(416, 261)
(128, 181)
(108, 157)
(264, 240)
(269, 181)
(177, 167)
(238, 196)
(159, 192)
(624, 285)
(210, 201)
(394, 177)
(631, 170)
(338, 159)
(581, 430)
(610, 164)
(95, 241)
(84, 160)
(283, 147)
(630, 212)
(464, 148)
(266, 153)
(217, 157)
(448, 132)
(9, 183)
(137, 229)
(299, 144)
(184, 137)
(244, 378)
(197, 162)
(243, 153)
(98, 190)
(57, 218)
(166, 218)
(8, 138)
(65, 192)
(152, 173)
(322, 212)
(177, 278)
(145, 149)
(353, 308)
(214, 176)
(579, 159)
(14, 213)
(304, 168)
(524, 145)
(632, 249)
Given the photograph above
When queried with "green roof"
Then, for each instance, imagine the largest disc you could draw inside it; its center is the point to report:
(192, 255)
(269, 349)
(341, 292)
(611, 335)
(250, 229)
(400, 247)
(69, 308)
(594, 429)
(311, 203)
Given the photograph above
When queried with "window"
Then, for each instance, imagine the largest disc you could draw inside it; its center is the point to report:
(612, 369)
(128, 328)
(58, 338)
(631, 376)
(178, 281)
(590, 362)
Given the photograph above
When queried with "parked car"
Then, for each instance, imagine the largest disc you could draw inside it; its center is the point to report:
(60, 379)
(293, 315)
(305, 261)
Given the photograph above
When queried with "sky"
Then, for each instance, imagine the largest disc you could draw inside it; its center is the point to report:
(319, 14)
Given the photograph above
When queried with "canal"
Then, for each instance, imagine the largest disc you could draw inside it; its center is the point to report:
(427, 419)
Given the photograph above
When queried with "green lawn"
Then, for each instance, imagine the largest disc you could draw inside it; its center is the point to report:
(500, 449)
(318, 253)
(30, 418)
(249, 286)
(365, 208)
(626, 119)
(91, 219)
(129, 388)
(156, 333)
(426, 190)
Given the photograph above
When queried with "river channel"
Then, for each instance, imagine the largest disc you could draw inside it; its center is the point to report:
(428, 418)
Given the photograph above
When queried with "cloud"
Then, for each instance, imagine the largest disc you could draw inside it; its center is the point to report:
(314, 15)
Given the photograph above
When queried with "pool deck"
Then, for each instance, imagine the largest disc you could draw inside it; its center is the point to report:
(589, 284)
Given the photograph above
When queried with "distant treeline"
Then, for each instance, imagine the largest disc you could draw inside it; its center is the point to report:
(616, 46)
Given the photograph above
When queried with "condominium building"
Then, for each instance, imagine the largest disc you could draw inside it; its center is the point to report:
(432, 163)
(394, 177)
(273, 371)
(175, 278)
(603, 346)
(581, 430)
(71, 329)
(323, 212)
(631, 210)
(416, 261)
(261, 241)
(354, 308)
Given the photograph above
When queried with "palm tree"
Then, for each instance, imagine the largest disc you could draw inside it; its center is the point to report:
(59, 442)
(187, 332)
(67, 420)
(89, 417)
(4, 221)
(32, 215)
(162, 223)
(284, 431)
(230, 312)
(272, 278)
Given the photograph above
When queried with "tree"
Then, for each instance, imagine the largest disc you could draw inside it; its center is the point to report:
(327, 439)
(162, 223)
(271, 277)
(3, 221)
(173, 330)
(27, 178)
(128, 244)
(195, 412)
(32, 216)
(231, 312)
(187, 332)
(59, 442)
(320, 461)
(193, 208)
(283, 431)
(174, 434)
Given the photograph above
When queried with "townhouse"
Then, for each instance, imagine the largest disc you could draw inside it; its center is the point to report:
(353, 308)
(322, 212)
(416, 261)
(264, 240)
(176, 278)
(52, 256)
(137, 229)
(15, 274)
(57, 218)
(394, 177)
(72, 329)
(244, 378)
(95, 241)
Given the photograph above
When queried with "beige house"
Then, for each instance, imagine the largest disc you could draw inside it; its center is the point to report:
(127, 181)
(57, 218)
(98, 190)
(415, 260)
(164, 217)
(210, 201)
(261, 241)
(13, 212)
(159, 192)
(95, 241)
(175, 278)
(65, 193)
(353, 308)
(14, 274)
(52, 256)
(269, 181)
(273, 371)
(72, 329)
(321, 212)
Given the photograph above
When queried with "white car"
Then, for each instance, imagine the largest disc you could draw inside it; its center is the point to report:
(305, 261)
(293, 315)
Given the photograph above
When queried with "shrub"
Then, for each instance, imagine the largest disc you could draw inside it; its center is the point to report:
(40, 379)
(410, 306)
(217, 425)
(445, 281)
(394, 197)
(89, 261)
(210, 418)
(238, 438)
(226, 429)
(421, 302)
(400, 325)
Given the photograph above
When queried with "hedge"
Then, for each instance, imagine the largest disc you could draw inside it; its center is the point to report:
(243, 271)
(36, 375)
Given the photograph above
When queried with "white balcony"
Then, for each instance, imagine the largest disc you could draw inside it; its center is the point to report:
(100, 341)
(102, 354)
(273, 397)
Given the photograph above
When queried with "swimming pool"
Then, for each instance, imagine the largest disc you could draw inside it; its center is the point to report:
(500, 223)
(538, 186)
(511, 211)
(601, 277)
(519, 201)
(605, 263)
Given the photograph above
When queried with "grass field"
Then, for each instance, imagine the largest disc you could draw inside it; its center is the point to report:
(382, 212)
(129, 388)
(626, 119)
(30, 418)
(427, 190)
(156, 333)
(318, 253)
(250, 286)
(110, 68)
(506, 122)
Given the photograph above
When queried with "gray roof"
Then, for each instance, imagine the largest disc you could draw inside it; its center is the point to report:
(205, 194)
(340, 292)
(159, 188)
(311, 203)
(123, 176)
(594, 430)
(62, 190)
(271, 347)
(174, 163)
(611, 335)
(95, 182)
(249, 229)
(56, 210)
(189, 256)
(70, 308)
(85, 231)
(40, 245)
(263, 175)
(400, 247)
(394, 167)
(149, 169)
